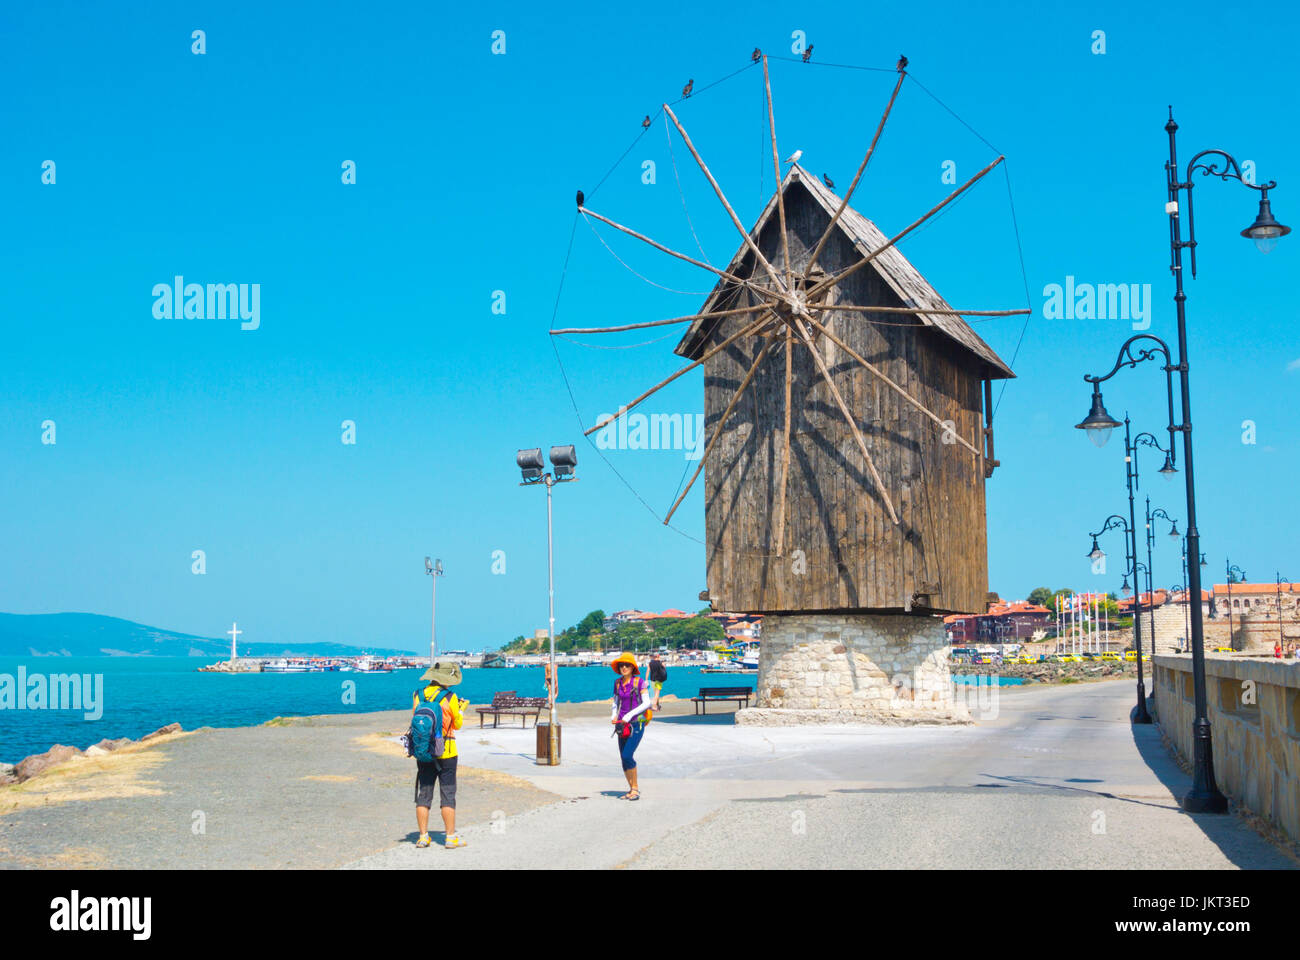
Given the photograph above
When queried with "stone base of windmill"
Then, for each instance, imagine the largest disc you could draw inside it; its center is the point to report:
(854, 668)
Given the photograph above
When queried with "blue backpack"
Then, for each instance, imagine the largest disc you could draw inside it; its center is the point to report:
(426, 741)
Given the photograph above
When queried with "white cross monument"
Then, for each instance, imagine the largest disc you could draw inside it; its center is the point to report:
(234, 632)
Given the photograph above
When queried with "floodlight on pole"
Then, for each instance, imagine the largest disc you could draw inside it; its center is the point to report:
(434, 570)
(564, 460)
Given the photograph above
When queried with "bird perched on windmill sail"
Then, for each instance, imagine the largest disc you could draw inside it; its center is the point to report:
(830, 184)
(794, 157)
(807, 54)
(686, 90)
(756, 55)
(581, 199)
(902, 63)
(646, 122)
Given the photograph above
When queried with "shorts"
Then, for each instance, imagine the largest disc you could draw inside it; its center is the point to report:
(627, 746)
(658, 685)
(427, 774)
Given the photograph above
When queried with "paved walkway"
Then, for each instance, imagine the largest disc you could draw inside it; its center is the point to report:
(1059, 780)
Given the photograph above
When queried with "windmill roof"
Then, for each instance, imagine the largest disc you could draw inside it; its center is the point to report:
(892, 267)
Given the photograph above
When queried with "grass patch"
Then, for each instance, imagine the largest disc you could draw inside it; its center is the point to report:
(381, 743)
(119, 774)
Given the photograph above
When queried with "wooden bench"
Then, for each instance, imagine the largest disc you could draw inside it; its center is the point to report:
(714, 694)
(508, 703)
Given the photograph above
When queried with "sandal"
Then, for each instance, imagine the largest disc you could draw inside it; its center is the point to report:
(628, 796)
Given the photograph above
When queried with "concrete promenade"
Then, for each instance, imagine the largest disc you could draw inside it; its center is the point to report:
(1060, 779)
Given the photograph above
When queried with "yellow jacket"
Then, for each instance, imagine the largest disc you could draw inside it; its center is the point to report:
(452, 716)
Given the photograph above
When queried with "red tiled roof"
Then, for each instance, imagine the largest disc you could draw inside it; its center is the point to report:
(1253, 588)
(1161, 597)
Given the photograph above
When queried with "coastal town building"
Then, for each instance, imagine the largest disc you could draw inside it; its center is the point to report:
(618, 617)
(1004, 622)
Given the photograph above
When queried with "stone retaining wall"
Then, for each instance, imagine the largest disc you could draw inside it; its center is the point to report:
(839, 668)
(1254, 713)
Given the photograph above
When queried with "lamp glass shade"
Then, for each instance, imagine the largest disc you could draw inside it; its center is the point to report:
(1125, 588)
(1168, 470)
(1265, 231)
(1098, 423)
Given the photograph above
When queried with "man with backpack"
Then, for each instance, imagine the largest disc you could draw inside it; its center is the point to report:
(658, 675)
(439, 713)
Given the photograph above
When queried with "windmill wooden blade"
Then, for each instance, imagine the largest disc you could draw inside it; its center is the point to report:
(776, 168)
(717, 431)
(826, 234)
(848, 417)
(785, 456)
(871, 368)
(749, 241)
(748, 284)
(751, 329)
(947, 312)
(854, 268)
(660, 323)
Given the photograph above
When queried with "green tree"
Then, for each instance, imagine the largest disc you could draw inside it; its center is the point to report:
(1042, 596)
(593, 622)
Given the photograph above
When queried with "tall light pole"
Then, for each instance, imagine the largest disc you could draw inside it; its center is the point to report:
(1157, 514)
(1281, 637)
(1140, 714)
(1204, 796)
(434, 570)
(1234, 574)
(532, 467)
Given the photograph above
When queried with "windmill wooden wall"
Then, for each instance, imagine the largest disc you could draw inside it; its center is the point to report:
(842, 552)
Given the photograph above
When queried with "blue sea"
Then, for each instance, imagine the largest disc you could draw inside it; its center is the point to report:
(141, 694)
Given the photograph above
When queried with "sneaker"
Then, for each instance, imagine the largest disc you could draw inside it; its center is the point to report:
(455, 840)
(424, 841)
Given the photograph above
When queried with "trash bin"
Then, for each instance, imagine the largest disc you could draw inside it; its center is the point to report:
(544, 743)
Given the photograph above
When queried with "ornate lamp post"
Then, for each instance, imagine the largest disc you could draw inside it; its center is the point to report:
(1140, 714)
(1281, 638)
(1204, 796)
(1235, 575)
(1157, 514)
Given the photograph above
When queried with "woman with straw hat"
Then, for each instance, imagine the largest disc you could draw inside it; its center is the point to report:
(631, 713)
(442, 771)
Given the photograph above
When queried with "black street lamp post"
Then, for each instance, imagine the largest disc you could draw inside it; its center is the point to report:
(1281, 637)
(1157, 514)
(1235, 575)
(1140, 714)
(1204, 796)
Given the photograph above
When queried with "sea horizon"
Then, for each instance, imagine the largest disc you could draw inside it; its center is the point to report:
(143, 693)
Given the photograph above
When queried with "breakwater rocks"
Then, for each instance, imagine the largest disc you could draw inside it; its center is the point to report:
(1052, 672)
(59, 753)
(241, 665)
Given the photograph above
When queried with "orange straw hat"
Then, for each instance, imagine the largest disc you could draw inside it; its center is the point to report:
(628, 659)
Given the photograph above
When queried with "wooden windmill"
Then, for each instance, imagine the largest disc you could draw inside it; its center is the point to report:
(846, 407)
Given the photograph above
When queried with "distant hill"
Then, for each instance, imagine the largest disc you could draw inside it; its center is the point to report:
(92, 635)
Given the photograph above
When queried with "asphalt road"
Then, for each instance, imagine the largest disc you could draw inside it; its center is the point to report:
(1058, 779)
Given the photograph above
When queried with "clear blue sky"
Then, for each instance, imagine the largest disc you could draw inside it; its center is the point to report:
(177, 435)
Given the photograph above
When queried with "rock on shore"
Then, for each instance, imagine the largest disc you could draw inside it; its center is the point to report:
(38, 763)
(1051, 672)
